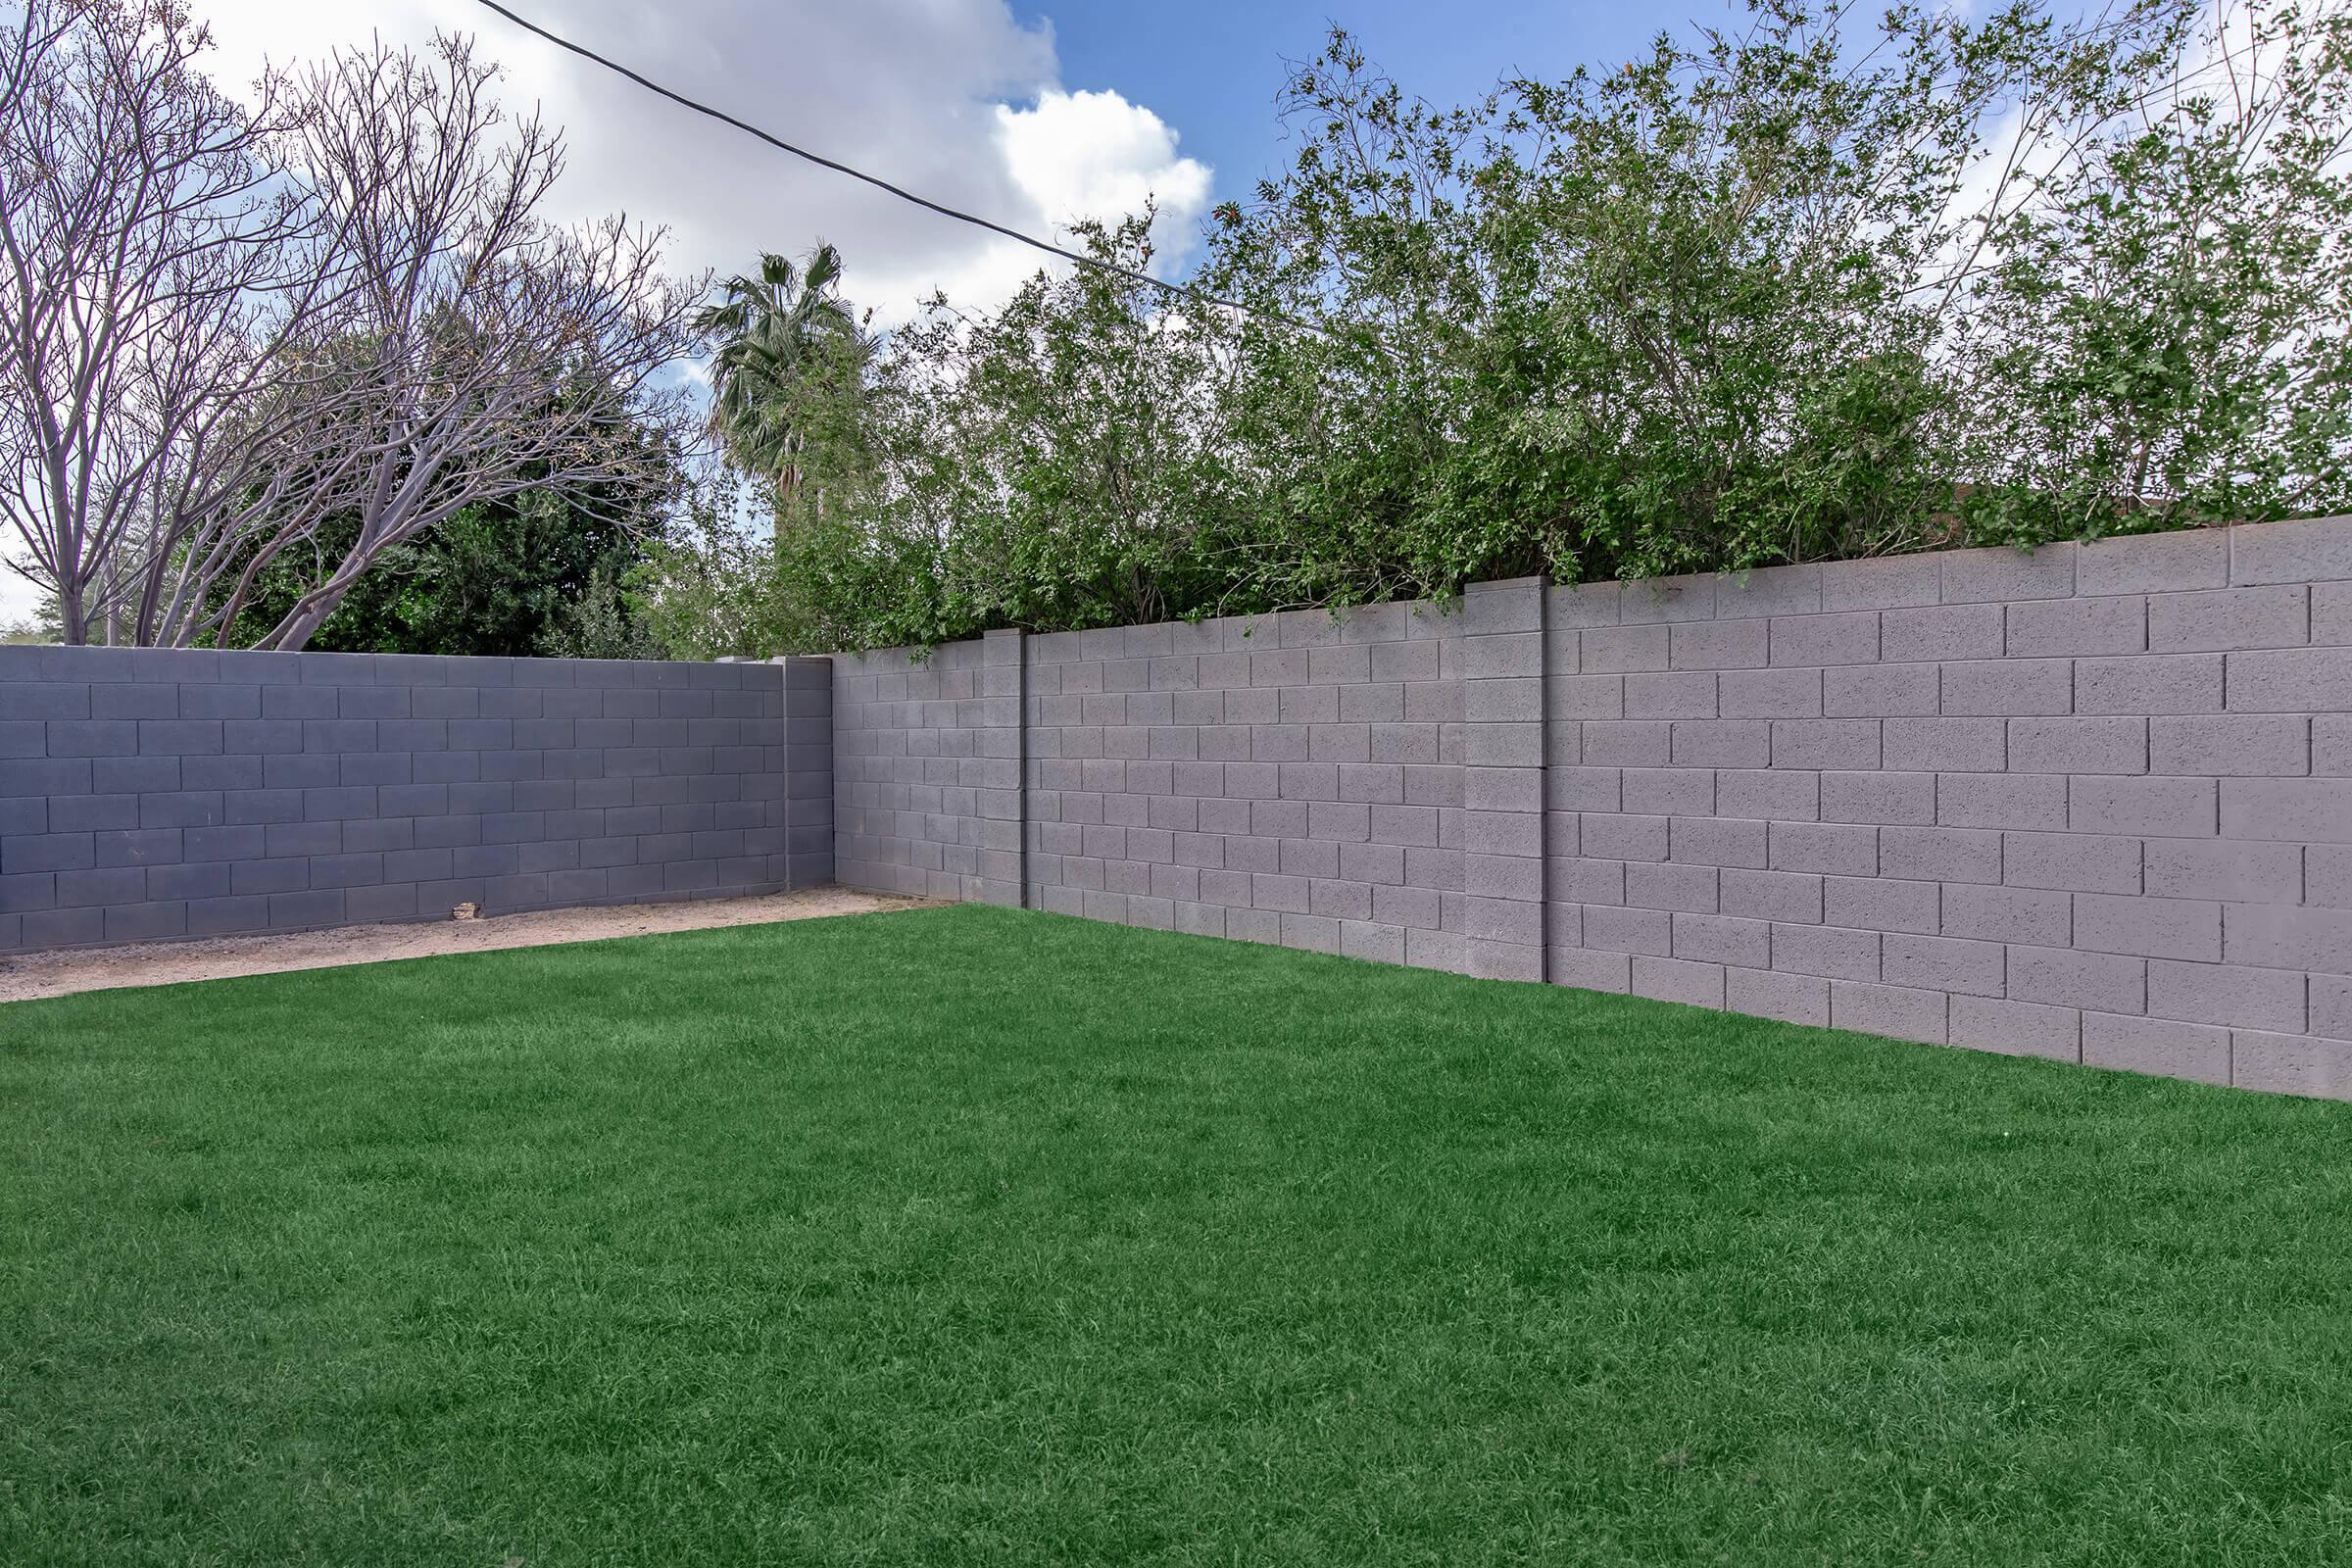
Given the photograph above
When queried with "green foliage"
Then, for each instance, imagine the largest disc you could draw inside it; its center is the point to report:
(1814, 289)
(788, 351)
(506, 577)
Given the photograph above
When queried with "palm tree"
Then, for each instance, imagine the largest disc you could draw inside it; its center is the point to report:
(777, 332)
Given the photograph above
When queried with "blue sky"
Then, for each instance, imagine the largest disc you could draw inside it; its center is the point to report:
(1211, 69)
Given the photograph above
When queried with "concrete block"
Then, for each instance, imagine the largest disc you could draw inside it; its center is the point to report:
(1789, 997)
(1372, 703)
(2043, 917)
(2227, 994)
(2015, 1028)
(1949, 745)
(1664, 885)
(1762, 694)
(2152, 683)
(2315, 811)
(1768, 591)
(31, 701)
(181, 809)
(25, 892)
(1717, 840)
(1621, 650)
(1942, 963)
(2151, 808)
(1668, 791)
(1835, 849)
(1892, 1011)
(136, 847)
(1785, 896)
(1722, 940)
(2276, 936)
(2158, 562)
(1514, 921)
(94, 737)
(1668, 599)
(2229, 619)
(2078, 861)
(1610, 836)
(2166, 1049)
(2253, 745)
(2305, 550)
(2002, 573)
(212, 917)
(1515, 604)
(1881, 584)
(2064, 977)
(124, 701)
(2100, 744)
(1882, 903)
(2060, 627)
(1670, 696)
(1502, 961)
(1937, 632)
(1580, 880)
(1585, 697)
(2001, 799)
(2279, 1064)
(2148, 927)
(2293, 680)
(1849, 638)
(92, 814)
(1620, 930)
(1940, 853)
(1765, 794)
(298, 703)
(2007, 688)
(70, 927)
(2331, 1002)
(2331, 612)
(1698, 985)
(1719, 645)
(1720, 743)
(1590, 969)
(1630, 743)
(47, 852)
(1486, 701)
(1879, 691)
(2232, 870)
(1825, 743)
(2326, 875)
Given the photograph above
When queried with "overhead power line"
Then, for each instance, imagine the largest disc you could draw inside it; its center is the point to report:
(925, 202)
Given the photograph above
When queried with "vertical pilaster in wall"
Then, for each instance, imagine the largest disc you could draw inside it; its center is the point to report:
(998, 765)
(1503, 779)
(805, 762)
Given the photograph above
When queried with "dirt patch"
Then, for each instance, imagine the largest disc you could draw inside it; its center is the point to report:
(163, 963)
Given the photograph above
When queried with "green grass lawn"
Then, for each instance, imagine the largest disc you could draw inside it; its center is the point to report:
(968, 1236)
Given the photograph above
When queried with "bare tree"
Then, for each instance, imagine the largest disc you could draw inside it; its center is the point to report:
(372, 330)
(149, 264)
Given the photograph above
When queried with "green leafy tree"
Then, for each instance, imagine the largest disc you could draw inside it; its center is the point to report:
(786, 344)
(1810, 289)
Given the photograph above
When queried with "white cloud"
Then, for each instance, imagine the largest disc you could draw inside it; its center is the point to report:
(1094, 154)
(954, 99)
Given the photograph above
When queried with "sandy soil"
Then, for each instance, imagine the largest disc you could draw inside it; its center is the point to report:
(162, 964)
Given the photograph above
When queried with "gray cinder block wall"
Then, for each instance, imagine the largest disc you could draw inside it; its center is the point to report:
(2092, 803)
(165, 793)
